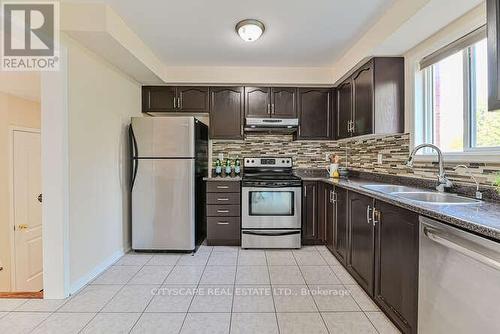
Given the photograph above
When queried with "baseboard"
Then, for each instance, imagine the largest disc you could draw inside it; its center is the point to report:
(74, 287)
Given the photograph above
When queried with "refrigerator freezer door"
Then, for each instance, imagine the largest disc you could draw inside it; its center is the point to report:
(163, 212)
(163, 137)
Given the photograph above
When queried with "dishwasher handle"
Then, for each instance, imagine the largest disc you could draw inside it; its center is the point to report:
(434, 235)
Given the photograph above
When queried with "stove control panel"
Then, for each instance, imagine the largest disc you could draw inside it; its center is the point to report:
(279, 162)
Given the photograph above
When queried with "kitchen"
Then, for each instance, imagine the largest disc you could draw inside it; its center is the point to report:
(357, 198)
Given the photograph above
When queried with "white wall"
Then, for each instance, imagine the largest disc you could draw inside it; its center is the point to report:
(101, 101)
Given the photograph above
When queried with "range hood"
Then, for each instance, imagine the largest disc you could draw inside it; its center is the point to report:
(272, 125)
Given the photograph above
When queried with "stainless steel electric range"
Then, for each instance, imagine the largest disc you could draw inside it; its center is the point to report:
(271, 204)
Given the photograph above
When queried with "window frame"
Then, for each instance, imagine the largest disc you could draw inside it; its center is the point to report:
(426, 131)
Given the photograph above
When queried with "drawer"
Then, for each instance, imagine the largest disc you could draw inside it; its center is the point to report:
(223, 210)
(221, 228)
(223, 187)
(223, 198)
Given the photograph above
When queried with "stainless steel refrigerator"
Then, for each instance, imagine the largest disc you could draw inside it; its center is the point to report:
(169, 158)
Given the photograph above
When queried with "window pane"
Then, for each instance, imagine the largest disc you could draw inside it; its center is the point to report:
(485, 125)
(447, 103)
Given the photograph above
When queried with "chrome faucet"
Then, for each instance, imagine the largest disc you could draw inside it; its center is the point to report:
(443, 180)
(479, 195)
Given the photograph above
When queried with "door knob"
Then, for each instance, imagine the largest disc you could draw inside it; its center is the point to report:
(22, 226)
(40, 198)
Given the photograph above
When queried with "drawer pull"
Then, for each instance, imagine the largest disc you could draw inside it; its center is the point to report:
(222, 211)
(222, 223)
(222, 187)
(223, 199)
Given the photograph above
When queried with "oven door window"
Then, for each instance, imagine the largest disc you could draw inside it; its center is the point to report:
(271, 203)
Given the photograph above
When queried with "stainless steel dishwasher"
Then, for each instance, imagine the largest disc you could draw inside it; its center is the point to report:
(459, 281)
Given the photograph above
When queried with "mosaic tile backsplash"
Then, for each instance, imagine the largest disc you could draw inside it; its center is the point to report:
(362, 155)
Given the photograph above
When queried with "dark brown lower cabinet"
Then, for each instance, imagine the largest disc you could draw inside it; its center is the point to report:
(312, 226)
(340, 225)
(396, 264)
(223, 213)
(360, 260)
(329, 216)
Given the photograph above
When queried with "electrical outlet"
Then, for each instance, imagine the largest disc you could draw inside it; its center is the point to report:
(221, 156)
(380, 158)
(327, 156)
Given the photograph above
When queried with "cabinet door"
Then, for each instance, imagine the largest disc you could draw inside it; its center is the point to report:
(493, 19)
(360, 261)
(158, 98)
(362, 84)
(341, 225)
(330, 216)
(226, 106)
(314, 113)
(193, 99)
(396, 264)
(344, 109)
(284, 102)
(309, 213)
(257, 102)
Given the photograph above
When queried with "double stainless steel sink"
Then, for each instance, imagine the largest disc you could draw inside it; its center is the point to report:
(423, 196)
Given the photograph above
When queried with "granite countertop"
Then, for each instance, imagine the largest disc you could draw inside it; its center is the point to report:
(220, 178)
(482, 218)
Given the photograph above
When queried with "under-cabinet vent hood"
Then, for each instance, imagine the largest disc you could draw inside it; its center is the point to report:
(271, 125)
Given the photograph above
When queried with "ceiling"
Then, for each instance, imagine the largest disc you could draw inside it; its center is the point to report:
(299, 33)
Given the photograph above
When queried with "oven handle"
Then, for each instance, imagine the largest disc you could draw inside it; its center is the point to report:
(271, 234)
(254, 186)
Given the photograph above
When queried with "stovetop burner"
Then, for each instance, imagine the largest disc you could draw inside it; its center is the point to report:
(269, 171)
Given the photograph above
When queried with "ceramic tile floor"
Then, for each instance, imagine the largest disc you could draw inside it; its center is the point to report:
(217, 290)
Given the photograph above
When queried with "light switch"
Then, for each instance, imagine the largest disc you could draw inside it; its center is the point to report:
(379, 158)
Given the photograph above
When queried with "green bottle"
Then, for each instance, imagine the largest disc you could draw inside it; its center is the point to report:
(228, 167)
(237, 167)
(218, 167)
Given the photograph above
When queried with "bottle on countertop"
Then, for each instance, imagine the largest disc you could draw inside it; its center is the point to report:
(228, 167)
(218, 167)
(237, 167)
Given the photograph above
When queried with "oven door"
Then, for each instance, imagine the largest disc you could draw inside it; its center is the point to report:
(271, 208)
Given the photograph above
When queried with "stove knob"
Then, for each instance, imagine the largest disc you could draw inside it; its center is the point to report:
(282, 161)
(288, 161)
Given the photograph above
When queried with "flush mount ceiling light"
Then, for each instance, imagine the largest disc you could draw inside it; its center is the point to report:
(250, 30)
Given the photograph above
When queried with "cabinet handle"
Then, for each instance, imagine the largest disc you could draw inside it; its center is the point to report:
(223, 199)
(222, 187)
(269, 109)
(272, 109)
(305, 191)
(222, 211)
(368, 214)
(376, 216)
(222, 223)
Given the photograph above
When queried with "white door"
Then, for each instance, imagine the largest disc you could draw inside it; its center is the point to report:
(27, 211)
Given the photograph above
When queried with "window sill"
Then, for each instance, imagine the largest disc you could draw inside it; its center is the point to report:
(462, 157)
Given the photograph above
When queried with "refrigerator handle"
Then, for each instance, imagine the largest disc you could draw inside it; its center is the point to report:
(134, 161)
(133, 142)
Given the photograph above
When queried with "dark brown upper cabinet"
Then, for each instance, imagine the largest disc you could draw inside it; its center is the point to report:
(276, 102)
(361, 258)
(396, 264)
(315, 113)
(226, 112)
(158, 98)
(371, 99)
(175, 99)
(344, 109)
(493, 19)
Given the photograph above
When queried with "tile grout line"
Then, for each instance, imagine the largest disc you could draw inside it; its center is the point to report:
(196, 290)
(308, 288)
(234, 289)
(114, 295)
(272, 293)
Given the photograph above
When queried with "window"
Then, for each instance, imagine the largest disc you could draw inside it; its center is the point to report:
(454, 114)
